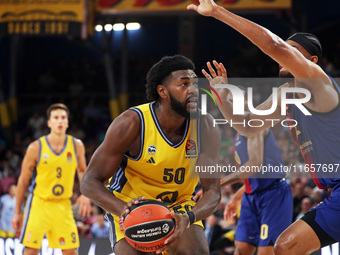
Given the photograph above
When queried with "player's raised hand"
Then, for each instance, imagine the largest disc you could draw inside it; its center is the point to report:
(217, 77)
(205, 7)
(84, 205)
(231, 209)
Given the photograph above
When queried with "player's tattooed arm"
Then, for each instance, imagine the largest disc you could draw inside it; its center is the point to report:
(31, 168)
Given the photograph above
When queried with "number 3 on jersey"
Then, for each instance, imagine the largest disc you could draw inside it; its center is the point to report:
(59, 172)
(171, 175)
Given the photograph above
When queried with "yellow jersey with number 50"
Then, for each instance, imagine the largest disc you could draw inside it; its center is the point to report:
(162, 169)
(53, 177)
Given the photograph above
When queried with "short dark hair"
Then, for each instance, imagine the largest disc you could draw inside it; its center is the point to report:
(55, 107)
(162, 69)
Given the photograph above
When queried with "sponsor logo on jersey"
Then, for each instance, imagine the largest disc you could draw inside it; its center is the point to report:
(191, 147)
(151, 160)
(69, 157)
(58, 190)
(45, 158)
(152, 150)
(168, 197)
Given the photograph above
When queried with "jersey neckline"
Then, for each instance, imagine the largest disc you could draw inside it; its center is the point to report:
(58, 154)
(161, 131)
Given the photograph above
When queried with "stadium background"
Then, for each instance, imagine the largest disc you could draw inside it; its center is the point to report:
(101, 75)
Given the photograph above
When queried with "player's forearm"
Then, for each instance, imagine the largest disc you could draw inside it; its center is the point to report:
(258, 35)
(20, 194)
(80, 174)
(238, 122)
(231, 179)
(96, 191)
(239, 194)
(208, 203)
(244, 172)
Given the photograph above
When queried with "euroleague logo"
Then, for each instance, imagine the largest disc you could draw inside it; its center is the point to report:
(165, 228)
(191, 147)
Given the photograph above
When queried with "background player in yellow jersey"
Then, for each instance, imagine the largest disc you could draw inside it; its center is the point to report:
(50, 163)
(152, 146)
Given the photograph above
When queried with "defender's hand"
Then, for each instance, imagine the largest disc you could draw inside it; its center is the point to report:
(205, 8)
(219, 78)
(231, 209)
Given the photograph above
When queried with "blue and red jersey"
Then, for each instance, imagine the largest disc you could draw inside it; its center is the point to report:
(318, 136)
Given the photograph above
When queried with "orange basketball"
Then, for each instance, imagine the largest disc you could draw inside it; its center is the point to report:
(148, 225)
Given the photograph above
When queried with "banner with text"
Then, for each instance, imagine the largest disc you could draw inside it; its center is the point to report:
(181, 5)
(88, 246)
(42, 17)
(101, 246)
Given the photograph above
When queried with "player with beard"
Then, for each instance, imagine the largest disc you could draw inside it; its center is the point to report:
(151, 150)
(317, 135)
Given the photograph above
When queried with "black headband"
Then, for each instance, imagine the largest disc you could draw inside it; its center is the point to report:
(309, 42)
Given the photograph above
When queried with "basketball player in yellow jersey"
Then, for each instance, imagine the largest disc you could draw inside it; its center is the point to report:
(148, 150)
(51, 162)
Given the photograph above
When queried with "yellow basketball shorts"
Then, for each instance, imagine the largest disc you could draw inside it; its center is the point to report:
(116, 234)
(51, 217)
